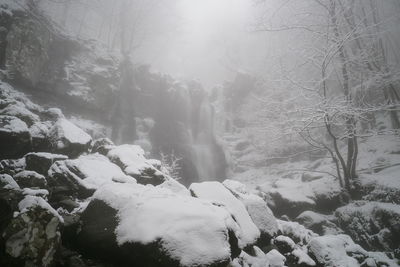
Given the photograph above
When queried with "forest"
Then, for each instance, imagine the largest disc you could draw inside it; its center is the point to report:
(199, 133)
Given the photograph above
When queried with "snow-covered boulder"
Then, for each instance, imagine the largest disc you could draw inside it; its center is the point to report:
(340, 250)
(257, 208)
(374, 225)
(67, 138)
(15, 139)
(32, 235)
(319, 223)
(131, 159)
(82, 176)
(41, 161)
(297, 232)
(133, 223)
(30, 179)
(220, 195)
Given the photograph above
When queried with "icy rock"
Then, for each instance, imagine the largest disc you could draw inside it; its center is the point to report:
(30, 179)
(33, 235)
(82, 176)
(131, 223)
(67, 138)
(41, 161)
(275, 259)
(340, 250)
(374, 225)
(257, 208)
(318, 223)
(131, 159)
(219, 194)
(15, 139)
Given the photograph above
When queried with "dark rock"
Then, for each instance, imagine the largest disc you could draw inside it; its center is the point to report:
(30, 179)
(285, 206)
(284, 244)
(15, 139)
(41, 162)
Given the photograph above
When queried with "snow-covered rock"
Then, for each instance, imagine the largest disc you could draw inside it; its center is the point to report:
(69, 139)
(33, 234)
(12, 166)
(82, 176)
(157, 227)
(257, 208)
(41, 161)
(219, 194)
(383, 186)
(297, 232)
(131, 159)
(319, 223)
(7, 182)
(374, 225)
(30, 179)
(291, 196)
(15, 139)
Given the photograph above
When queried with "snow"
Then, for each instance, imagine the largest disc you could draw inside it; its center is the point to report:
(175, 187)
(12, 124)
(217, 193)
(132, 158)
(30, 202)
(73, 134)
(366, 209)
(29, 174)
(95, 168)
(48, 156)
(8, 181)
(257, 208)
(191, 230)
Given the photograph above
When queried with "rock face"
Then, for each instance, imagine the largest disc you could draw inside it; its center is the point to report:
(374, 225)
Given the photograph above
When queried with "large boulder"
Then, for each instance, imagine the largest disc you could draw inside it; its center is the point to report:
(257, 208)
(374, 225)
(12, 166)
(219, 194)
(67, 138)
(15, 139)
(40, 162)
(131, 159)
(133, 224)
(32, 237)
